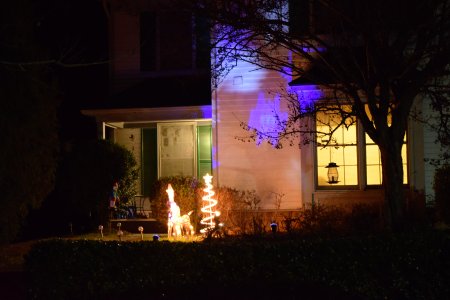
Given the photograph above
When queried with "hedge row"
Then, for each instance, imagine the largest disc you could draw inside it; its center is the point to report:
(409, 266)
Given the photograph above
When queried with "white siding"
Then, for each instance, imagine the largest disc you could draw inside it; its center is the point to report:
(432, 150)
(244, 97)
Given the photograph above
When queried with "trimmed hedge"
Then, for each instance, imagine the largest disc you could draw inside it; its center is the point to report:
(407, 266)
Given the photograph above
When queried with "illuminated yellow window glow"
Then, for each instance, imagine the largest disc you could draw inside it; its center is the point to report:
(342, 150)
(373, 162)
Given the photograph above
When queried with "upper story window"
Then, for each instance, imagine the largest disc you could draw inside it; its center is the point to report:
(320, 17)
(171, 40)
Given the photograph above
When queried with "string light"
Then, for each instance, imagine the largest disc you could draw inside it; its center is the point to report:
(208, 208)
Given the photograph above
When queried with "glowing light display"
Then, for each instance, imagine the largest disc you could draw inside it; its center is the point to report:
(177, 224)
(208, 209)
(173, 228)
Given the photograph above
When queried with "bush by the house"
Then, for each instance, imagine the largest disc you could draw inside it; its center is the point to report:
(84, 181)
(240, 211)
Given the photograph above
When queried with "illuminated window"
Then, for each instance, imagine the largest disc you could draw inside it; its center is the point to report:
(346, 151)
(373, 159)
(373, 162)
(341, 149)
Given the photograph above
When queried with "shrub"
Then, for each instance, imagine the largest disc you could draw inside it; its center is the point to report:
(442, 192)
(321, 219)
(240, 210)
(364, 218)
(411, 265)
(83, 184)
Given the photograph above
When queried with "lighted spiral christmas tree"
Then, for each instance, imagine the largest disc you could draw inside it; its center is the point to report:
(209, 203)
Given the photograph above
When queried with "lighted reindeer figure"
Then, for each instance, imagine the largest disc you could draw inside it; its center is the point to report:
(185, 224)
(177, 224)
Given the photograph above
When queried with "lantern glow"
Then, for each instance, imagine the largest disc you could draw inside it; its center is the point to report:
(333, 174)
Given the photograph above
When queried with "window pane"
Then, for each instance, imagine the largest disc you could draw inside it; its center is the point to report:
(374, 174)
(369, 140)
(322, 178)
(404, 153)
(349, 135)
(372, 155)
(337, 155)
(341, 150)
(405, 174)
(351, 156)
(323, 156)
(338, 137)
(176, 145)
(349, 176)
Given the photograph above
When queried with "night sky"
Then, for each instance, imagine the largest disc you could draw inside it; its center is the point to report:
(74, 32)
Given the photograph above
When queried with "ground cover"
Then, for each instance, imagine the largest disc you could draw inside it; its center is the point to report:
(403, 266)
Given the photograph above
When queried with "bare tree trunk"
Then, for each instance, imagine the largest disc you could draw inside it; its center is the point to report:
(394, 200)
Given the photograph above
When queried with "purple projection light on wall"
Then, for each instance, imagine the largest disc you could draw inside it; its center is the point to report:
(267, 117)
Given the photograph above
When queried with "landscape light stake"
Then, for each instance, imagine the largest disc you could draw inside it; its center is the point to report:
(274, 227)
(141, 230)
(100, 228)
(71, 228)
(119, 232)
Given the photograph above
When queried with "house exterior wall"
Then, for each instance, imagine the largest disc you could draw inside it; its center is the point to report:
(125, 52)
(246, 95)
(431, 151)
(243, 96)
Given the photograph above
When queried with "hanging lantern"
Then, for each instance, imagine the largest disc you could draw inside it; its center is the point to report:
(333, 174)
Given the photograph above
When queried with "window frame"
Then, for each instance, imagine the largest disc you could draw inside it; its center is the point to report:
(361, 151)
(358, 164)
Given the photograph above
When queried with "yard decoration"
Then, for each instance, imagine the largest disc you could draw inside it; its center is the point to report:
(119, 232)
(177, 224)
(209, 213)
(100, 228)
(141, 230)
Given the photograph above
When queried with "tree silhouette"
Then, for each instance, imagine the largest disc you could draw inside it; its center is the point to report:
(373, 60)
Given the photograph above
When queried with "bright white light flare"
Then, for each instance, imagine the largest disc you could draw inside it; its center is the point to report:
(208, 208)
